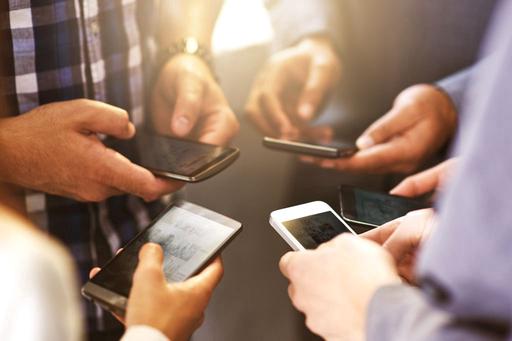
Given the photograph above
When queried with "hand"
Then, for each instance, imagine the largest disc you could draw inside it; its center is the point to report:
(421, 121)
(403, 237)
(188, 103)
(427, 181)
(176, 309)
(334, 284)
(55, 149)
(292, 88)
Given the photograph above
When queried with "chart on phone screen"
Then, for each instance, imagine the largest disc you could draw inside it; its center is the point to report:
(188, 240)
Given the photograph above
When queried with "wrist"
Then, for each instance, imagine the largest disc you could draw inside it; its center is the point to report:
(191, 47)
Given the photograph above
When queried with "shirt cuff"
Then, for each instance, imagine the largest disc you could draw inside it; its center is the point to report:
(386, 311)
(142, 332)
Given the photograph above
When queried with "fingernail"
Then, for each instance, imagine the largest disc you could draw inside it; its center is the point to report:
(131, 129)
(306, 111)
(365, 142)
(182, 125)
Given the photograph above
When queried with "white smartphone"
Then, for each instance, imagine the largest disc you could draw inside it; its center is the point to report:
(309, 225)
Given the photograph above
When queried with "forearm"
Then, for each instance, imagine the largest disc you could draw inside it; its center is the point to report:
(181, 19)
(293, 21)
(402, 313)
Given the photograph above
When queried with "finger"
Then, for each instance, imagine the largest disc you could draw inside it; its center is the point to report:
(151, 255)
(255, 114)
(393, 123)
(254, 110)
(102, 118)
(119, 172)
(382, 233)
(189, 96)
(120, 319)
(210, 277)
(378, 159)
(318, 85)
(321, 134)
(400, 243)
(276, 116)
(284, 263)
(93, 272)
(307, 159)
(418, 184)
(408, 237)
(219, 128)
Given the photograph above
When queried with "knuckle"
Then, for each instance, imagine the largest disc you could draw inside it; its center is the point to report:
(83, 102)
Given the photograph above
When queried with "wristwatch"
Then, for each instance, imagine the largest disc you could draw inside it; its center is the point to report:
(190, 46)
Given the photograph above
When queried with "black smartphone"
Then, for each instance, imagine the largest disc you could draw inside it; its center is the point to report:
(191, 237)
(174, 158)
(335, 150)
(370, 208)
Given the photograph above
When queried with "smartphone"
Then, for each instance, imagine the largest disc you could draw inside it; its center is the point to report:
(191, 237)
(374, 208)
(335, 151)
(174, 158)
(309, 225)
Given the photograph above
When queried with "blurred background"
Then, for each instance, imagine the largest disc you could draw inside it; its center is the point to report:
(252, 302)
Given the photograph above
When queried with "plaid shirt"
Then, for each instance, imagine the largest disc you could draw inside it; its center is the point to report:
(57, 50)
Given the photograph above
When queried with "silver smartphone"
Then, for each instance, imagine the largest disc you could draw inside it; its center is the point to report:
(175, 158)
(334, 151)
(191, 237)
(308, 225)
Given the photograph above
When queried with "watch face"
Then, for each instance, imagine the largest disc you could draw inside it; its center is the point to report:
(191, 45)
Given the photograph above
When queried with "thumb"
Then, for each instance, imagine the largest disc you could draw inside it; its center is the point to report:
(388, 126)
(400, 243)
(102, 118)
(125, 176)
(151, 255)
(408, 237)
(189, 94)
(382, 233)
(149, 270)
(318, 85)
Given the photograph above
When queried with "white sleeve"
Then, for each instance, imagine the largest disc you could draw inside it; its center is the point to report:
(146, 333)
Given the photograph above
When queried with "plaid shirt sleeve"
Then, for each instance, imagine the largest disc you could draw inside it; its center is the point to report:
(58, 50)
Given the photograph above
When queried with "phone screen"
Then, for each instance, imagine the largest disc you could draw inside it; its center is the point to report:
(169, 155)
(377, 208)
(313, 230)
(188, 240)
